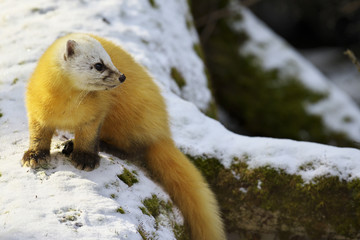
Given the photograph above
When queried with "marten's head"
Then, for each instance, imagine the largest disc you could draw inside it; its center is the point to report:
(89, 66)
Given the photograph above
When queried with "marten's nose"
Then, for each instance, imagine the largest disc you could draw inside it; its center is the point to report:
(122, 78)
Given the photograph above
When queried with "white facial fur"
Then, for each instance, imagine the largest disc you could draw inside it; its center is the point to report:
(89, 65)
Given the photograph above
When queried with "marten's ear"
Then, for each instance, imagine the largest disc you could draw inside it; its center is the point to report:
(70, 49)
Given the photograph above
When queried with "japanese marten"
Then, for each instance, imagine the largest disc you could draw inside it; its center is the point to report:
(79, 85)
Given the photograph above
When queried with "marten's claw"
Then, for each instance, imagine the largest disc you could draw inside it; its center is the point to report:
(85, 161)
(36, 158)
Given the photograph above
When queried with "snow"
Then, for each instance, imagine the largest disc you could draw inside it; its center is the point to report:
(62, 202)
(39, 204)
(199, 135)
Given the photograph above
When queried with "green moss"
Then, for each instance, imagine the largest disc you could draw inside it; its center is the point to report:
(145, 211)
(42, 10)
(179, 79)
(15, 81)
(144, 41)
(128, 177)
(71, 218)
(35, 10)
(145, 235)
(120, 210)
(197, 48)
(142, 233)
(189, 3)
(307, 166)
(153, 3)
(211, 111)
(323, 208)
(210, 167)
(189, 23)
(348, 119)
(113, 195)
(263, 101)
(154, 206)
(180, 232)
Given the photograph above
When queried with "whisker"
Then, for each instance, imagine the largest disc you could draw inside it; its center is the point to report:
(81, 97)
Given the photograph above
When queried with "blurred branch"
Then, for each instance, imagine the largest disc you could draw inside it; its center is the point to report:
(353, 58)
(351, 7)
(248, 3)
(212, 17)
(209, 21)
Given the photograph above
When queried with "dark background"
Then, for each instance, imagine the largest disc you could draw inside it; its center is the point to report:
(312, 23)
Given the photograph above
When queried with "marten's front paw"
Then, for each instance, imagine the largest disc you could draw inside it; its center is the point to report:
(35, 158)
(85, 160)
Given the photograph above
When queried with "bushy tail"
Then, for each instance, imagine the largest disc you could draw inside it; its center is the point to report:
(188, 190)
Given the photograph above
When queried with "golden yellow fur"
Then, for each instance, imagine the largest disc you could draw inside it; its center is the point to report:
(131, 117)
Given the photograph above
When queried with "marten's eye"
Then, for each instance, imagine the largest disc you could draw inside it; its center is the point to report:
(99, 66)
